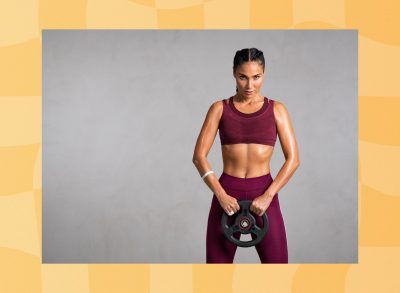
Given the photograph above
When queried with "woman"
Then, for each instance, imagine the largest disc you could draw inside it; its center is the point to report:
(248, 124)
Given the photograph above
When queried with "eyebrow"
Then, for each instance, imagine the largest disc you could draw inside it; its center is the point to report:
(246, 75)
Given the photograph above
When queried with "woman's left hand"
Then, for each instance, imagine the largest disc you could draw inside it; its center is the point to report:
(260, 204)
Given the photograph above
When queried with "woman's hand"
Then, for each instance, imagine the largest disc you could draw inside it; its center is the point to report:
(260, 204)
(229, 204)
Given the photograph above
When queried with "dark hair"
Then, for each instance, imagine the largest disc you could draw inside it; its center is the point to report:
(246, 55)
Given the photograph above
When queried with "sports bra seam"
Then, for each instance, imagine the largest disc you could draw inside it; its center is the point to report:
(245, 142)
(256, 116)
(238, 113)
(222, 114)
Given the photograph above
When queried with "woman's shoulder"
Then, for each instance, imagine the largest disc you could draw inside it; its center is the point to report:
(221, 102)
(216, 108)
(280, 109)
(218, 104)
(278, 105)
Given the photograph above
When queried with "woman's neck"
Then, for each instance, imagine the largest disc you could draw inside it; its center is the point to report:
(248, 101)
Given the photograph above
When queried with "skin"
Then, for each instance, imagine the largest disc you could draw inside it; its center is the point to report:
(247, 160)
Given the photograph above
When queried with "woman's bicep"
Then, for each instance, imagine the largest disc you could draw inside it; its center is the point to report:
(286, 132)
(208, 131)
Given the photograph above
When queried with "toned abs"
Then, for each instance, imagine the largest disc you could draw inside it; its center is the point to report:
(246, 160)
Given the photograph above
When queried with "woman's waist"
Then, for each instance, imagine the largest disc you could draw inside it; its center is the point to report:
(245, 173)
(235, 181)
(246, 170)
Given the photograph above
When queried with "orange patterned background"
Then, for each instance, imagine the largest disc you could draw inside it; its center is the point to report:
(21, 22)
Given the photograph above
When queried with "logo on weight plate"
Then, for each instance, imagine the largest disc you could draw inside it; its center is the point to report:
(244, 223)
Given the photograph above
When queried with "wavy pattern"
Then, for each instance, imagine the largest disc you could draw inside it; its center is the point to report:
(320, 278)
(379, 219)
(178, 279)
(20, 70)
(62, 14)
(377, 271)
(183, 18)
(332, 11)
(105, 278)
(65, 278)
(378, 20)
(269, 14)
(263, 278)
(375, 157)
(378, 68)
(379, 117)
(239, 14)
(12, 15)
(112, 14)
(16, 171)
(20, 271)
(20, 145)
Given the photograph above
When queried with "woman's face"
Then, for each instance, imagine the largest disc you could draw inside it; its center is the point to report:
(249, 78)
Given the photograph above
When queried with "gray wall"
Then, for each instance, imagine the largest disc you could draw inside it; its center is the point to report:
(122, 110)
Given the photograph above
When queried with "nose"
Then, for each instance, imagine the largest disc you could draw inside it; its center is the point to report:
(248, 84)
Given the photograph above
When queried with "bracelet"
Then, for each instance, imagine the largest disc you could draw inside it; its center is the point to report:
(207, 173)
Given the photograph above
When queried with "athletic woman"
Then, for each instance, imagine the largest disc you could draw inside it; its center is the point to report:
(248, 125)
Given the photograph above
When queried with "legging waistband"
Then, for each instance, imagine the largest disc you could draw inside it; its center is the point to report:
(245, 184)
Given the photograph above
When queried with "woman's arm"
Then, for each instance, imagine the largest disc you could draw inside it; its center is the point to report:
(289, 147)
(203, 145)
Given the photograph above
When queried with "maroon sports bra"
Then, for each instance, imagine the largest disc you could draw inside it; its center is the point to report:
(257, 127)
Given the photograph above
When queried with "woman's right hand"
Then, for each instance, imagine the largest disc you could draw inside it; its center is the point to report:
(229, 204)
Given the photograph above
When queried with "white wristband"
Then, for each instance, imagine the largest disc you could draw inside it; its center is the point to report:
(207, 173)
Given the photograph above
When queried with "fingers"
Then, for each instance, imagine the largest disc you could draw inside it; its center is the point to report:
(237, 206)
(230, 213)
(232, 208)
(256, 209)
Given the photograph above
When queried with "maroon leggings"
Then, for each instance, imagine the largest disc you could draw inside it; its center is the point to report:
(273, 247)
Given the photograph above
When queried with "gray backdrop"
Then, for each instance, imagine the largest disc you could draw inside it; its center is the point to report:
(122, 110)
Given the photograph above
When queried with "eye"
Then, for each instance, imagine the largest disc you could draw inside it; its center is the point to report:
(257, 77)
(242, 77)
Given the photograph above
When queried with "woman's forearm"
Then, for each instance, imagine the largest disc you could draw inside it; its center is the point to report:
(283, 176)
(211, 180)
